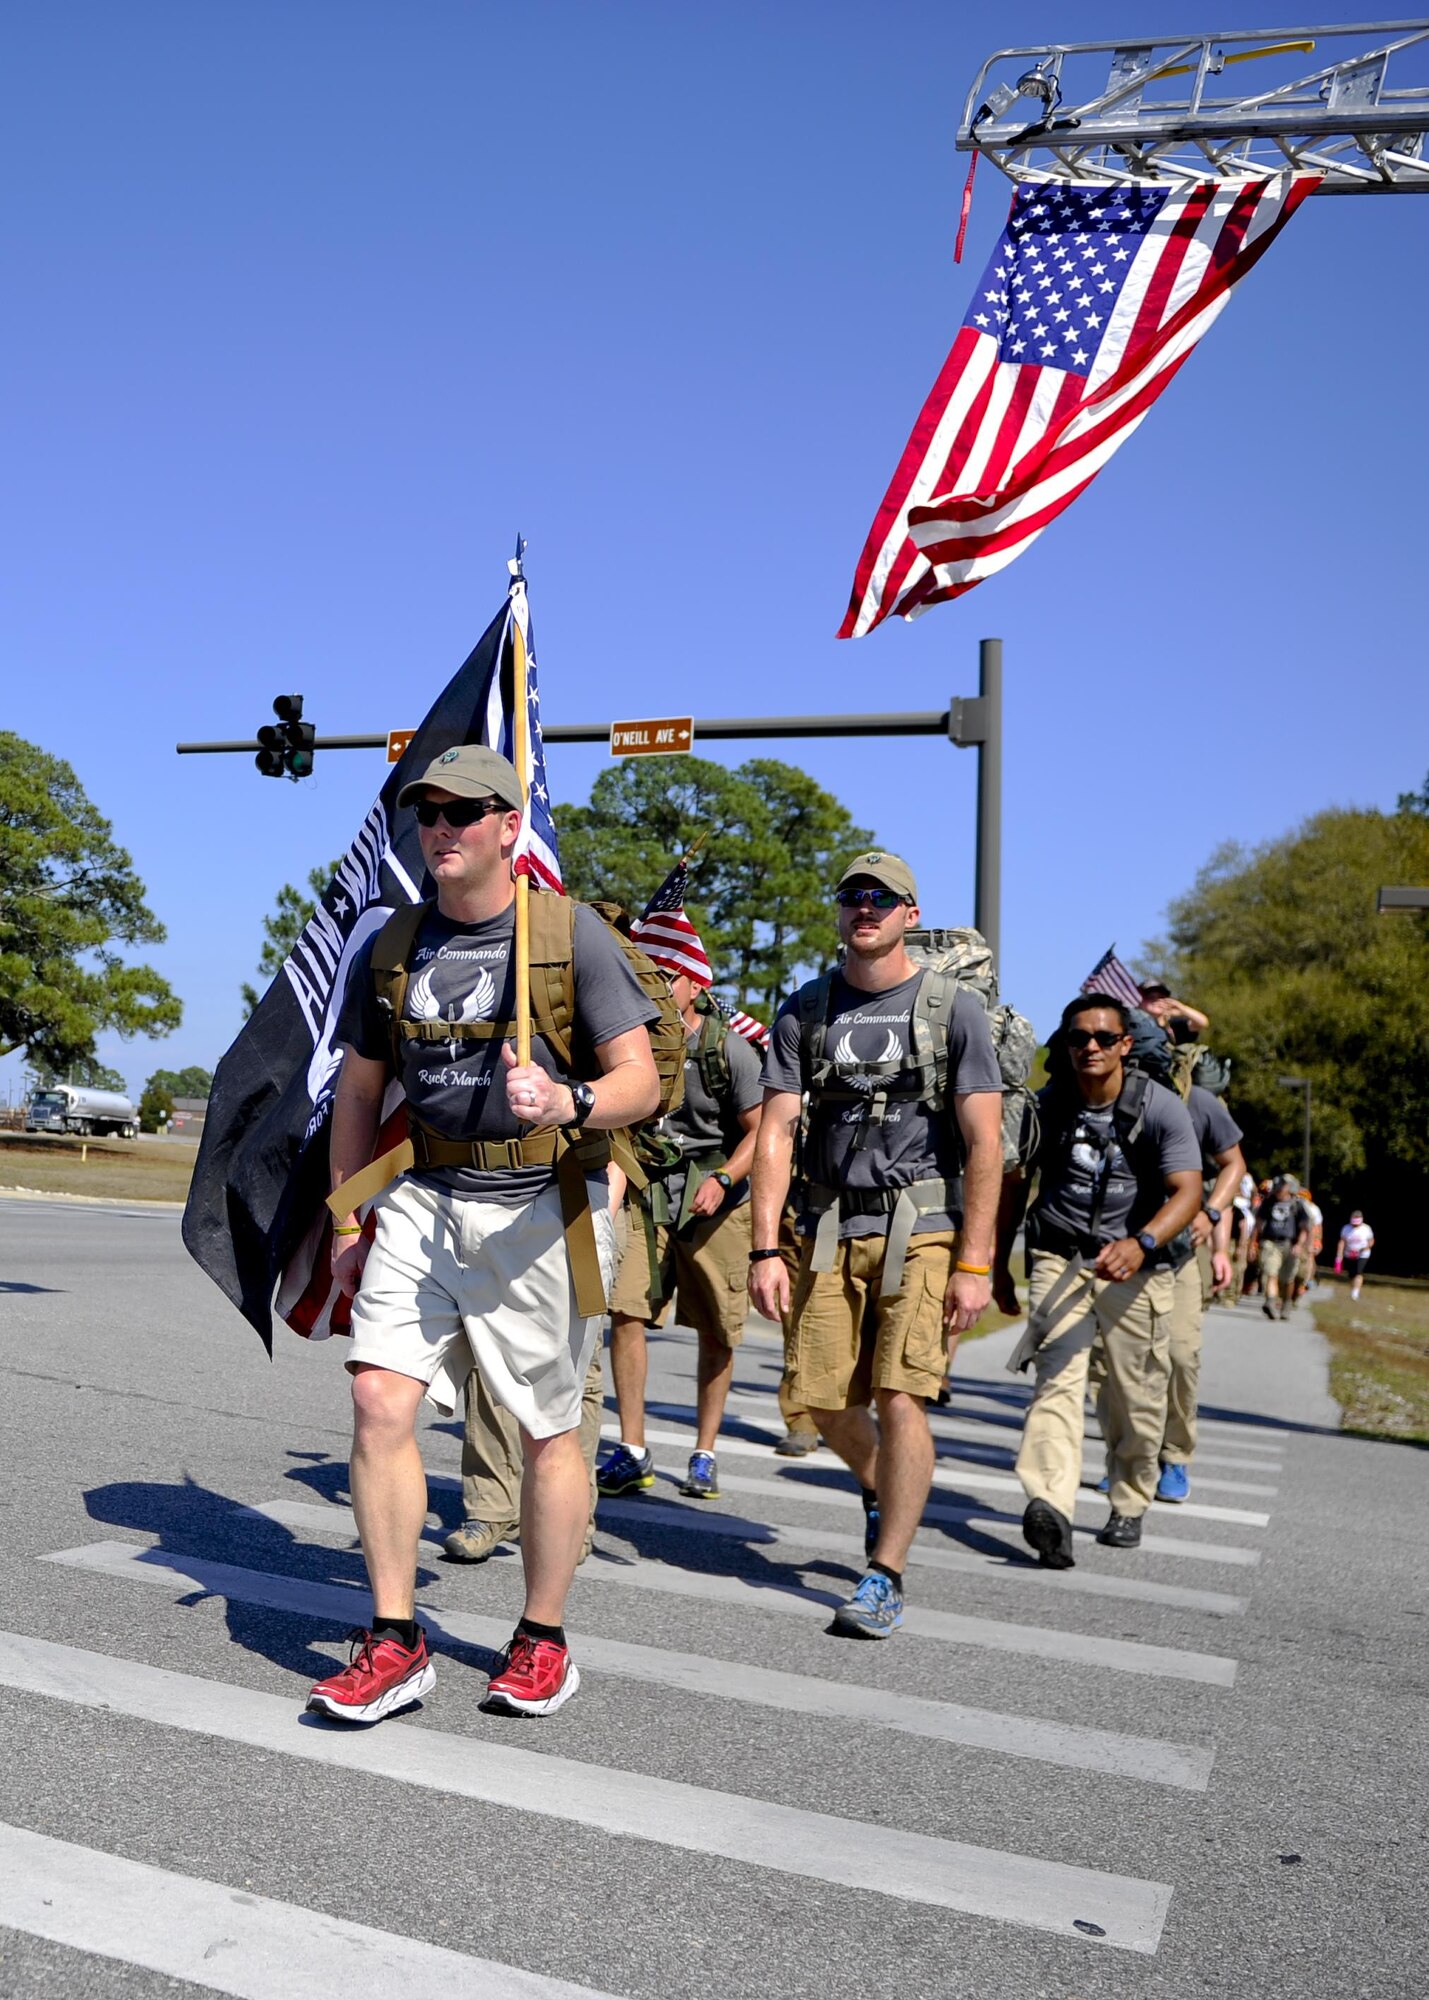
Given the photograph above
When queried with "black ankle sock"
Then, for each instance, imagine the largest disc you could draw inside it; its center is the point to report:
(403, 1630)
(895, 1576)
(870, 1499)
(556, 1634)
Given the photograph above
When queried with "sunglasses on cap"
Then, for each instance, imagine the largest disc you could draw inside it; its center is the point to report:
(877, 899)
(1105, 1038)
(457, 812)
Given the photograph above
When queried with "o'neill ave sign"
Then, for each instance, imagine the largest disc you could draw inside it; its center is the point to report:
(663, 737)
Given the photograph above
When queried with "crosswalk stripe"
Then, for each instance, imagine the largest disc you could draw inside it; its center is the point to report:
(802, 1600)
(232, 1941)
(1002, 1437)
(1074, 1746)
(699, 1519)
(978, 1482)
(908, 1867)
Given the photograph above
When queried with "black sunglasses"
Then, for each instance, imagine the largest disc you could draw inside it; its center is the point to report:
(1105, 1038)
(879, 899)
(457, 812)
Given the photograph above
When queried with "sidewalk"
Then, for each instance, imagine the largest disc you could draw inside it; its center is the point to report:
(1271, 1371)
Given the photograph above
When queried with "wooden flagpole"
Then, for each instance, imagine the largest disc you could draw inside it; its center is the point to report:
(521, 737)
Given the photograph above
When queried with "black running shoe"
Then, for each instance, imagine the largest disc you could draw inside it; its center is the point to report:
(1050, 1533)
(1122, 1531)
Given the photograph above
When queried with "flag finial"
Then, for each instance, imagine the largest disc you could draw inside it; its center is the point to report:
(518, 575)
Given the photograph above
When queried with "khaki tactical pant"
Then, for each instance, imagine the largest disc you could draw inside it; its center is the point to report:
(1191, 1296)
(491, 1450)
(1068, 1309)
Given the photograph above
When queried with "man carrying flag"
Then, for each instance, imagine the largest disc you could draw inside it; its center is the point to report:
(691, 1225)
(477, 1252)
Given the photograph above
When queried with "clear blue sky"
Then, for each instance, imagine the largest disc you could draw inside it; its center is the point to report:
(309, 308)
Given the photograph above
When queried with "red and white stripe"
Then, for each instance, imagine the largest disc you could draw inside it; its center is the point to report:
(1002, 447)
(752, 1030)
(672, 941)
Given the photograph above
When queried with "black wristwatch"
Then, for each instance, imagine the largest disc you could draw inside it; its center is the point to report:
(1148, 1242)
(723, 1178)
(583, 1101)
(758, 1256)
(1213, 1215)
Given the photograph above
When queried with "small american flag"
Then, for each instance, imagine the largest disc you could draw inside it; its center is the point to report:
(1093, 299)
(536, 853)
(746, 1025)
(664, 933)
(1109, 975)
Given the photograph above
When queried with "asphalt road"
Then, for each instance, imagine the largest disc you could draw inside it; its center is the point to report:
(1198, 1768)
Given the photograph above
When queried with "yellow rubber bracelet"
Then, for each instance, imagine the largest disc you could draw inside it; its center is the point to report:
(975, 1270)
(353, 1229)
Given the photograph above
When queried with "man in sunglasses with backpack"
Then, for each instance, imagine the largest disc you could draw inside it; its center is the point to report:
(902, 1164)
(1119, 1170)
(495, 1246)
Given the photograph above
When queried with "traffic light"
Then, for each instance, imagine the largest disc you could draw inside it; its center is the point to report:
(289, 746)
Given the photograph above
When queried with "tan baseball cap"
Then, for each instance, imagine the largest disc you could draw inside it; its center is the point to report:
(470, 771)
(889, 869)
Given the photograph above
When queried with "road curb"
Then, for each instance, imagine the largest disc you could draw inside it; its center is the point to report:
(89, 1200)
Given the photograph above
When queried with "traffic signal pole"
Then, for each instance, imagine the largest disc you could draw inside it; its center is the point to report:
(968, 722)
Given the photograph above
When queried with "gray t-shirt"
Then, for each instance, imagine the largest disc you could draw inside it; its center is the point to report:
(705, 1125)
(1216, 1131)
(1092, 1157)
(458, 1088)
(1283, 1221)
(912, 1142)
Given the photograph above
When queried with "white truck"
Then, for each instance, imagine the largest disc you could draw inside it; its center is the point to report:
(91, 1113)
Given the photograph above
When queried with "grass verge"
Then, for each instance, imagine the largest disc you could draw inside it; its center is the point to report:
(121, 1170)
(1379, 1361)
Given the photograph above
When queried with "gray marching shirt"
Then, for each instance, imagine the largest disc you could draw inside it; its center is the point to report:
(912, 1142)
(458, 1088)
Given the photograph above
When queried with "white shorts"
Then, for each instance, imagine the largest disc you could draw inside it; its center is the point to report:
(452, 1282)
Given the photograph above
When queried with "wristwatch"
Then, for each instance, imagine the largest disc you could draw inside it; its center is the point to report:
(583, 1099)
(723, 1178)
(1213, 1215)
(1148, 1242)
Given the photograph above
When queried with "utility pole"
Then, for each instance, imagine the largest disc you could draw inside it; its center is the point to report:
(1301, 1083)
(977, 724)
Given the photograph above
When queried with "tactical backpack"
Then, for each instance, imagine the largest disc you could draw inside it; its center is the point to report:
(951, 960)
(553, 1010)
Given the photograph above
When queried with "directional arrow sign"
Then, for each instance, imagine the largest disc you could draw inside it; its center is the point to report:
(665, 736)
(397, 742)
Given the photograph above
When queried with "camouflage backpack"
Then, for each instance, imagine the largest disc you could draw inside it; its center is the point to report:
(966, 955)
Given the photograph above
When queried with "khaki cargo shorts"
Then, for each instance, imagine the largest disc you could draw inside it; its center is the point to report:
(706, 1266)
(1278, 1258)
(845, 1340)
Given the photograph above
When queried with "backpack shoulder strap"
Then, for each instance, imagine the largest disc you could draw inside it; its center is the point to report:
(711, 1055)
(553, 975)
(1129, 1113)
(391, 952)
(812, 1001)
(931, 1030)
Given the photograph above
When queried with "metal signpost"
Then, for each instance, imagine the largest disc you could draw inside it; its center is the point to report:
(968, 722)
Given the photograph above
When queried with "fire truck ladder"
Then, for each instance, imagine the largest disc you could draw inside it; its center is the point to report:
(1038, 113)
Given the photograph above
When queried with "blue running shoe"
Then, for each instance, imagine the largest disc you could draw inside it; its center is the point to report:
(701, 1482)
(1104, 1483)
(624, 1471)
(870, 1531)
(875, 1610)
(1174, 1483)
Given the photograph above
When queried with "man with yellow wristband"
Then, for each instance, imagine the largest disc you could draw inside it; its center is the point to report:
(902, 1162)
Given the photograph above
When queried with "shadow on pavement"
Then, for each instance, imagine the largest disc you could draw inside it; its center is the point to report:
(189, 1520)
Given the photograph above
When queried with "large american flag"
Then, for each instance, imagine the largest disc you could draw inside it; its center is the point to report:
(1093, 299)
(664, 933)
(1109, 975)
(535, 853)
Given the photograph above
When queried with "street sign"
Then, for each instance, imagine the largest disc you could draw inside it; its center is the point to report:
(397, 741)
(665, 736)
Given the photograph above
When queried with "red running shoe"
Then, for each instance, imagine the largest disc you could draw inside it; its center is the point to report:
(535, 1678)
(381, 1678)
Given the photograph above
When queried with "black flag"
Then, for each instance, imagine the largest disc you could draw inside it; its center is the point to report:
(255, 1211)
